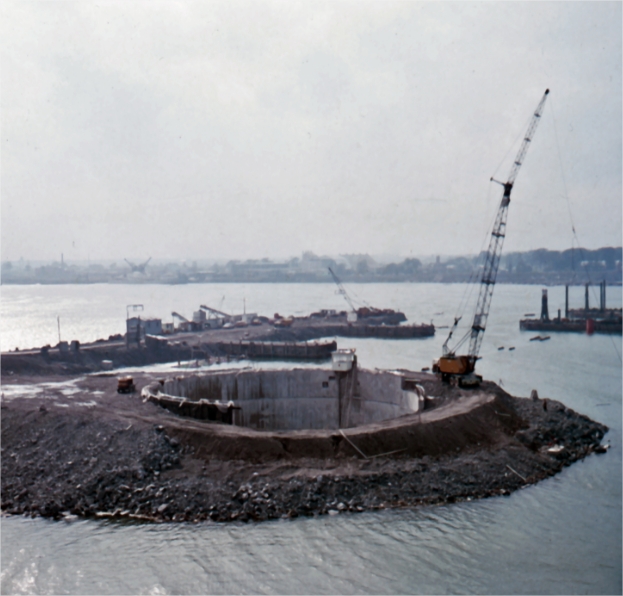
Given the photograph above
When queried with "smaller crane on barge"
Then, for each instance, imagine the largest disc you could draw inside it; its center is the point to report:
(351, 316)
(450, 366)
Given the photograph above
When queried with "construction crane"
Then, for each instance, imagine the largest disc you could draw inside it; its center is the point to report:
(342, 291)
(462, 367)
(138, 268)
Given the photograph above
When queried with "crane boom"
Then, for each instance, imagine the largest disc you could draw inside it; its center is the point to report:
(341, 290)
(492, 260)
(450, 364)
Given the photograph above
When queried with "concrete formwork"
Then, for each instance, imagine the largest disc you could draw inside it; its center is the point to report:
(298, 399)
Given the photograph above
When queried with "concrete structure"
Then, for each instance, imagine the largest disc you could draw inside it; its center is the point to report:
(544, 307)
(199, 317)
(137, 328)
(342, 360)
(287, 400)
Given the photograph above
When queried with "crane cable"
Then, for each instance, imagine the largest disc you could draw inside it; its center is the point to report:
(573, 230)
(471, 282)
(479, 260)
(522, 130)
(476, 266)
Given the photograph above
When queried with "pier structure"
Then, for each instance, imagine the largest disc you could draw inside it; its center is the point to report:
(580, 320)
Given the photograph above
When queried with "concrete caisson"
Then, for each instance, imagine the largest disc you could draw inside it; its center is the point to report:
(290, 400)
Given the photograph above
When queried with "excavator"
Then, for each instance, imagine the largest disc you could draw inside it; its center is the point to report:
(460, 368)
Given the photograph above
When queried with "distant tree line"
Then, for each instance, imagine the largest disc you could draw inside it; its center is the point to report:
(537, 266)
(541, 266)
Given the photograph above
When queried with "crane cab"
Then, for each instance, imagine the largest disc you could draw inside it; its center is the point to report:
(454, 365)
(459, 369)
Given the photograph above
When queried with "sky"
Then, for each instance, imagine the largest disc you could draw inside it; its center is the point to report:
(234, 129)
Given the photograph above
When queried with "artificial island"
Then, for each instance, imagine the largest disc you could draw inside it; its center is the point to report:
(249, 445)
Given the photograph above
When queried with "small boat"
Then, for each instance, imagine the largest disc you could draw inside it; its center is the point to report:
(500, 348)
(511, 348)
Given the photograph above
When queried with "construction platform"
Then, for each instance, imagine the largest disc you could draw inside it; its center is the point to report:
(579, 320)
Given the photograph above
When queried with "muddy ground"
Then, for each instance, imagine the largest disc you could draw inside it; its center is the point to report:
(74, 446)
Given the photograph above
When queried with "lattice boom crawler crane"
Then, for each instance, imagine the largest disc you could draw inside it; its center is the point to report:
(461, 368)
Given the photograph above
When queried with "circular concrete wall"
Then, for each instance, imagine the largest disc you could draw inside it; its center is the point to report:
(285, 400)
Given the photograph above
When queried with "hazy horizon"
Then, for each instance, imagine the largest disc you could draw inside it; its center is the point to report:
(228, 130)
(379, 259)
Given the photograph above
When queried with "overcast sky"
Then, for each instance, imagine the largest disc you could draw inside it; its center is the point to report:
(263, 129)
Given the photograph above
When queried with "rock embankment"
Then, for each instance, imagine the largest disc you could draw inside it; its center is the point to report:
(94, 453)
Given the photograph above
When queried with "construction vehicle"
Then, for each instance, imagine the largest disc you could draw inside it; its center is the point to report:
(126, 385)
(461, 368)
(280, 321)
(351, 316)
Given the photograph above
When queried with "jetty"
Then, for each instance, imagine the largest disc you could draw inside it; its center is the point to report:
(580, 320)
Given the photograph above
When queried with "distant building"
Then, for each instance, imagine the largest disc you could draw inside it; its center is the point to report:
(311, 263)
(137, 328)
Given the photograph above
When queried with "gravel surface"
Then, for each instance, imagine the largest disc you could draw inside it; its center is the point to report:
(73, 446)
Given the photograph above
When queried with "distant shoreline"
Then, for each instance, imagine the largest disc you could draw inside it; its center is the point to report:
(537, 282)
(541, 266)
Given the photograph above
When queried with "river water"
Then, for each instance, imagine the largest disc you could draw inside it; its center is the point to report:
(562, 536)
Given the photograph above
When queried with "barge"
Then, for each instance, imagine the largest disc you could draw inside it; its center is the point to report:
(269, 350)
(377, 331)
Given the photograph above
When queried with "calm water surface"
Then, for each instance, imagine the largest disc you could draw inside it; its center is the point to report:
(561, 536)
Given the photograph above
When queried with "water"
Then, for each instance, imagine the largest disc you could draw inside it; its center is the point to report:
(560, 536)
